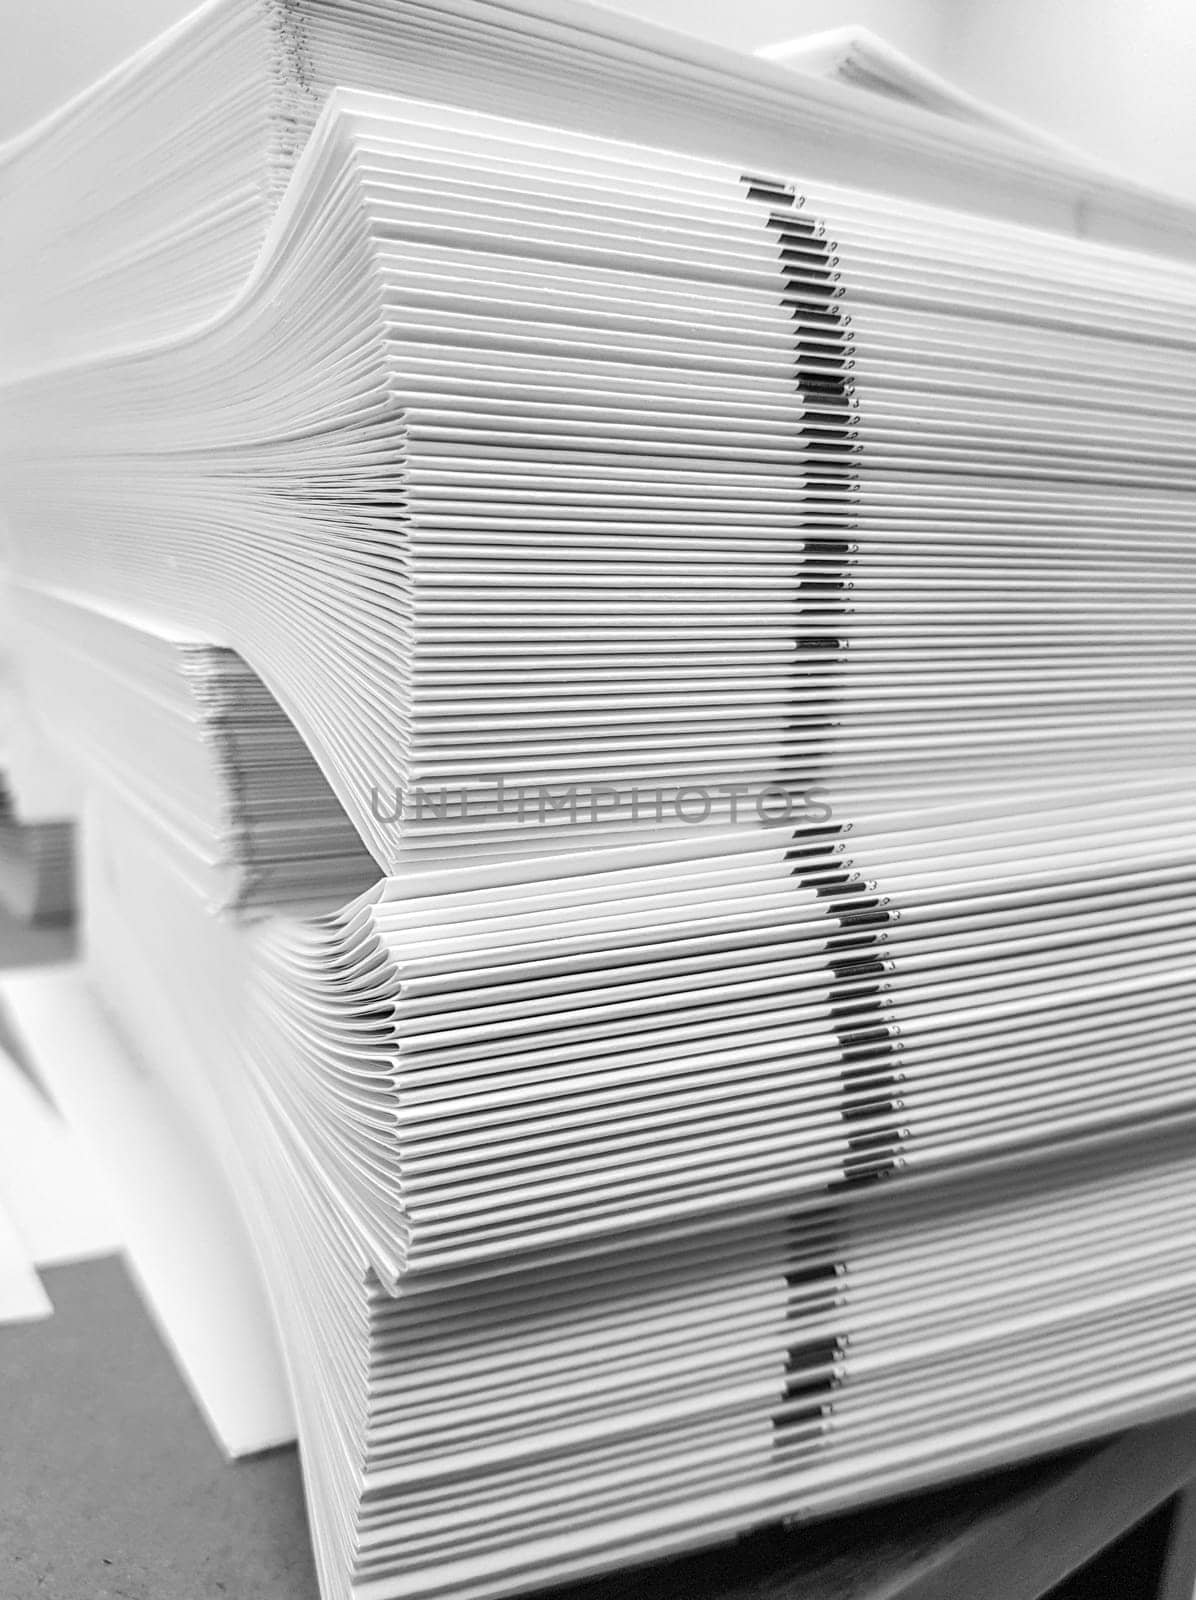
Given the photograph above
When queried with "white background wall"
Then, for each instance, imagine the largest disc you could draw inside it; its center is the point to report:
(1115, 77)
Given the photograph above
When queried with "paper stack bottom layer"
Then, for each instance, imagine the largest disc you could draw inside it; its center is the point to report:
(550, 1384)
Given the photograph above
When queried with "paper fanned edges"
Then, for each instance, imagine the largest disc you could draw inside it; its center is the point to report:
(625, 1178)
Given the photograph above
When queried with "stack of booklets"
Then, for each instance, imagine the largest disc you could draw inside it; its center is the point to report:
(636, 705)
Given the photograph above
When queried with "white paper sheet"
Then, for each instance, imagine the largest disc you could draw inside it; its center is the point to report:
(22, 1298)
(55, 1192)
(184, 1239)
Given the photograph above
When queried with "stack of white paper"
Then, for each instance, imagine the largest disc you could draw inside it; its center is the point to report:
(734, 494)
(507, 1404)
(749, 623)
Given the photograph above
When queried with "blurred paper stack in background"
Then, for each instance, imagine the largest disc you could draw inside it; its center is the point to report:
(37, 867)
(38, 797)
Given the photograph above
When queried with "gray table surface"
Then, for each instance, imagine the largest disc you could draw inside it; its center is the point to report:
(111, 1487)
